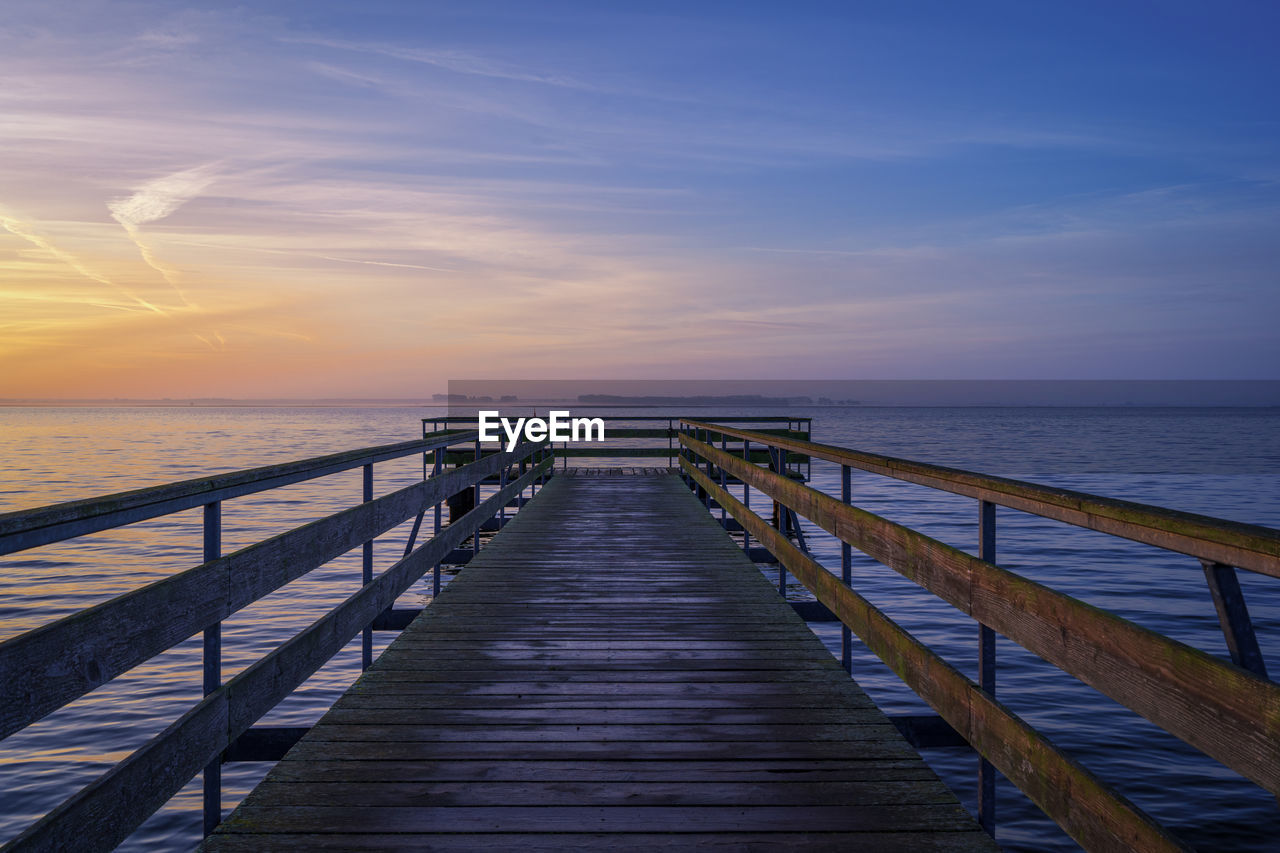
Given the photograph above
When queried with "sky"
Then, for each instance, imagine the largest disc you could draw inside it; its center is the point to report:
(321, 199)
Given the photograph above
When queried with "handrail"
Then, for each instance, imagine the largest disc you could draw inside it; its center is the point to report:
(59, 662)
(30, 528)
(52, 665)
(727, 419)
(1092, 813)
(1220, 709)
(1245, 546)
(656, 441)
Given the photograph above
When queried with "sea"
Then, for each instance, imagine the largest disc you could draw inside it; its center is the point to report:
(1222, 462)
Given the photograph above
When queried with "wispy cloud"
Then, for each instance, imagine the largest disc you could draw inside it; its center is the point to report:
(154, 201)
(459, 62)
(28, 233)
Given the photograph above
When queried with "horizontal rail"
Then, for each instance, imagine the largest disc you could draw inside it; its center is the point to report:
(105, 812)
(30, 528)
(583, 449)
(1220, 709)
(1099, 818)
(47, 667)
(1245, 546)
(727, 419)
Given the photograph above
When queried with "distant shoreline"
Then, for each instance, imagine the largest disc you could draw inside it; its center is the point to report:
(776, 395)
(415, 404)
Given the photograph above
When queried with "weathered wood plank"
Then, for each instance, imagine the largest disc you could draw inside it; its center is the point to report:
(541, 792)
(621, 819)
(646, 677)
(603, 770)
(590, 842)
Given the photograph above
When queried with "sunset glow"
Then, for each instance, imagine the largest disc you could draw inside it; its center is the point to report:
(326, 200)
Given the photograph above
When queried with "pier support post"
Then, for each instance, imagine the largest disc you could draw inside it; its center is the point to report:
(987, 669)
(463, 502)
(212, 670)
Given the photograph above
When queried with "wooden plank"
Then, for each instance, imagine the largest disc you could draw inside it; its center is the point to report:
(648, 676)
(588, 842)
(865, 792)
(603, 770)
(620, 819)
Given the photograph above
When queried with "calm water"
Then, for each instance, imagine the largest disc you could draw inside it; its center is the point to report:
(1223, 462)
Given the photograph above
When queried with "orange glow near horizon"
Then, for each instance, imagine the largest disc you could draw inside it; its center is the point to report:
(323, 202)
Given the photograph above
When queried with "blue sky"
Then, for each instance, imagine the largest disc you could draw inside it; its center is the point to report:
(333, 199)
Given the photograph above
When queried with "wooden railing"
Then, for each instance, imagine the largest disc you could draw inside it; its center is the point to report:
(48, 667)
(643, 436)
(1227, 710)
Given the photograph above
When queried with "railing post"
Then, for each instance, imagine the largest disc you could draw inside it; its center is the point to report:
(366, 574)
(724, 484)
(987, 670)
(705, 435)
(475, 537)
(846, 572)
(435, 472)
(746, 497)
(784, 520)
(777, 507)
(502, 484)
(212, 670)
(784, 517)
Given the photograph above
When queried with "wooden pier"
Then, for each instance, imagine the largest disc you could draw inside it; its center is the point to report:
(613, 670)
(610, 673)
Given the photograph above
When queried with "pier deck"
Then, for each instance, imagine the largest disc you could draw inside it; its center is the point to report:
(609, 673)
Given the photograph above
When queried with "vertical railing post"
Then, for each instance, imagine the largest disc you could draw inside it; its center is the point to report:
(475, 537)
(671, 443)
(746, 497)
(705, 436)
(724, 483)
(987, 669)
(366, 574)
(535, 460)
(212, 670)
(784, 519)
(436, 468)
(846, 571)
(502, 484)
